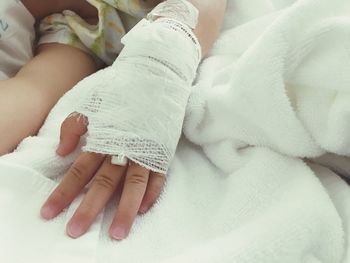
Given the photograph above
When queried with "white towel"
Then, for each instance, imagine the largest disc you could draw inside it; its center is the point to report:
(248, 197)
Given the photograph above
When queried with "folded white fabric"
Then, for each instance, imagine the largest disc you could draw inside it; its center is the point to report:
(277, 92)
(137, 106)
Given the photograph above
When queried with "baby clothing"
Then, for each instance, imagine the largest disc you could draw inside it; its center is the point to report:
(16, 37)
(103, 40)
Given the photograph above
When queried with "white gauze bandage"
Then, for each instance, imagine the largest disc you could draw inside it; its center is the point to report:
(180, 10)
(136, 107)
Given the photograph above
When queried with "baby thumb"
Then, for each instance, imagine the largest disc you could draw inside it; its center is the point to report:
(73, 127)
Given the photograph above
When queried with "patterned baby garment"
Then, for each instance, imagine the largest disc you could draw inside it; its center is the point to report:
(116, 17)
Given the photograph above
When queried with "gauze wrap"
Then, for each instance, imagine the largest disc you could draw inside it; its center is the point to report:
(136, 107)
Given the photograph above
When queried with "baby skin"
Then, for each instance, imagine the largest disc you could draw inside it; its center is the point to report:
(140, 188)
(27, 98)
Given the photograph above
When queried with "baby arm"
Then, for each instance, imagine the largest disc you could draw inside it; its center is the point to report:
(27, 98)
(141, 187)
(211, 14)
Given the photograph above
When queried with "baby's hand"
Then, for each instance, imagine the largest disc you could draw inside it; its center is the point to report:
(141, 188)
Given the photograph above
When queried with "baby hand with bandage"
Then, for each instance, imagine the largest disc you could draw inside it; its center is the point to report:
(132, 115)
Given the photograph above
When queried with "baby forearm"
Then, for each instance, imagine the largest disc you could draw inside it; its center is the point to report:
(211, 14)
(27, 98)
(55, 69)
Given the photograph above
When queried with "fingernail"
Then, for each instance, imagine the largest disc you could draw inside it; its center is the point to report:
(75, 230)
(48, 212)
(59, 150)
(143, 209)
(118, 233)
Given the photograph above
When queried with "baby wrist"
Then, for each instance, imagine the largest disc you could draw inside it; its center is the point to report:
(136, 107)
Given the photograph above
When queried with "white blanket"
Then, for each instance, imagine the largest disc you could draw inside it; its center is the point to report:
(274, 90)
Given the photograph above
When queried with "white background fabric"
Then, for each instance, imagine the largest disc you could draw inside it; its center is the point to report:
(267, 206)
